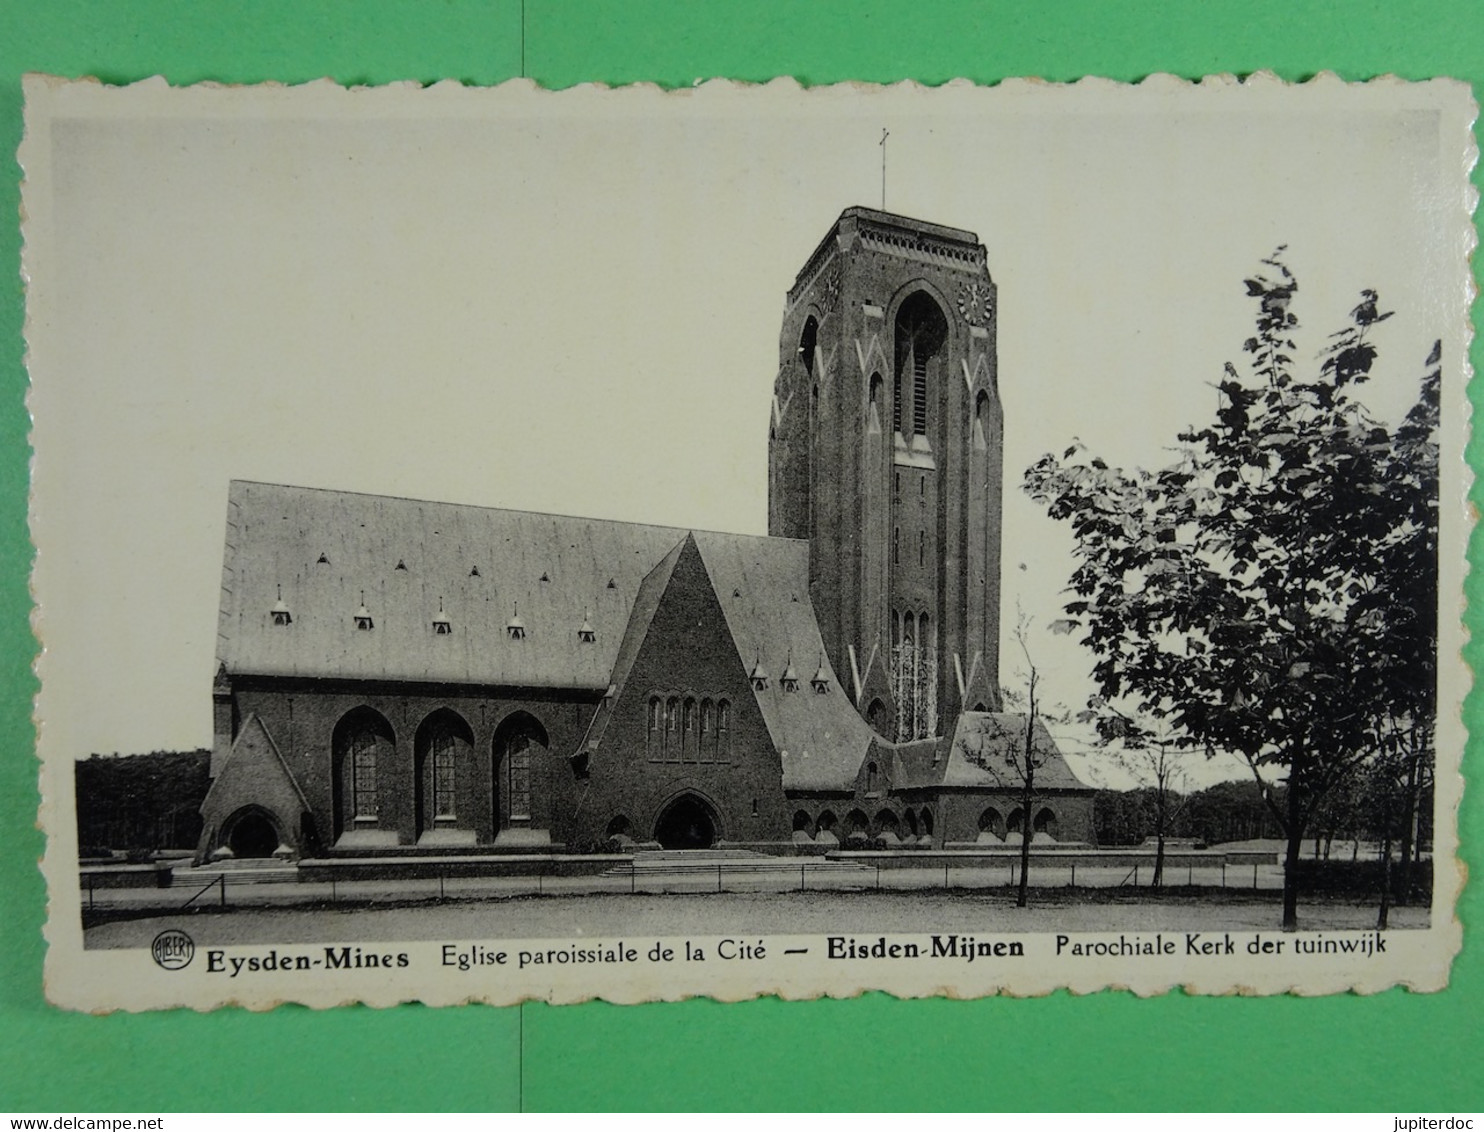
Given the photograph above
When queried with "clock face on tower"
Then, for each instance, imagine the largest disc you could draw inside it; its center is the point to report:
(974, 303)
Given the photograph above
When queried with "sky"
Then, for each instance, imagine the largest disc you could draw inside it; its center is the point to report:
(571, 302)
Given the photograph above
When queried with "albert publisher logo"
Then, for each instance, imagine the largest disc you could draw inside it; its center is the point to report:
(173, 949)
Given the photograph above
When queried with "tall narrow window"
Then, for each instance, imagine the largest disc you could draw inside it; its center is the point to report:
(921, 332)
(723, 729)
(708, 731)
(896, 546)
(443, 788)
(919, 394)
(688, 749)
(654, 734)
(520, 779)
(363, 775)
(922, 548)
(672, 730)
(896, 403)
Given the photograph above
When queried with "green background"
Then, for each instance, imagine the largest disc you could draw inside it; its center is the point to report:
(1395, 1051)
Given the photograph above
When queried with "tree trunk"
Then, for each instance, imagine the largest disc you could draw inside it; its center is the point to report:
(1385, 911)
(1409, 814)
(1295, 833)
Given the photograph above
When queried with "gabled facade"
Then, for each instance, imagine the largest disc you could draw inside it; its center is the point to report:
(404, 677)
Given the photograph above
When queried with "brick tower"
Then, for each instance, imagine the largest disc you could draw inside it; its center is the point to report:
(884, 451)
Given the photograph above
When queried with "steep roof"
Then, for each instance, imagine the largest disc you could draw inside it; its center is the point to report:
(326, 553)
(763, 587)
(979, 754)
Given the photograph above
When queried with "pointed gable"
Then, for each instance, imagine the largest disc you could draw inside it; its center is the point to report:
(982, 748)
(763, 586)
(255, 773)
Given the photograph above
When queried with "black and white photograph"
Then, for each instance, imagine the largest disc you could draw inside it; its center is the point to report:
(634, 544)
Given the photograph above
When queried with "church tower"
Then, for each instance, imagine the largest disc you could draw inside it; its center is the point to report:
(884, 451)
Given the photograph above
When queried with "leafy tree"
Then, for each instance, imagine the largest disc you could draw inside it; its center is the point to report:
(1156, 760)
(1245, 596)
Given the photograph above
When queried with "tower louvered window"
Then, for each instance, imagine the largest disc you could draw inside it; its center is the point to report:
(919, 395)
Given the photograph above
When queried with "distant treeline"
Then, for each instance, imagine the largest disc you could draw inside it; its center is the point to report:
(137, 803)
(1228, 811)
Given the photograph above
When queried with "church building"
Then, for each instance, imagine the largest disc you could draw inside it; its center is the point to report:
(398, 677)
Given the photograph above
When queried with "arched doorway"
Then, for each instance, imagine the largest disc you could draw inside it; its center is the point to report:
(251, 833)
(686, 823)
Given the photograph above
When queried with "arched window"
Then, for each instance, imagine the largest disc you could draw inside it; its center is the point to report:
(927, 821)
(672, 729)
(1014, 822)
(876, 716)
(723, 729)
(441, 747)
(873, 405)
(911, 822)
(1045, 822)
(921, 332)
(909, 629)
(991, 823)
(708, 731)
(654, 730)
(518, 742)
(802, 824)
(364, 747)
(981, 420)
(363, 777)
(807, 341)
(688, 746)
(871, 783)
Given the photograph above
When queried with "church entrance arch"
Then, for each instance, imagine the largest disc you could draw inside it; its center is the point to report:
(687, 822)
(251, 832)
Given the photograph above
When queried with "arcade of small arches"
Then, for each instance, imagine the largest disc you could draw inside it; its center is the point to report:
(688, 729)
(993, 826)
(365, 751)
(909, 826)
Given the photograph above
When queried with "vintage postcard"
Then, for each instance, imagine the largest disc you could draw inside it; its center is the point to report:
(499, 544)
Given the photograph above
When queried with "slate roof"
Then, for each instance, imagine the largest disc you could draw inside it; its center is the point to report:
(325, 549)
(977, 757)
(763, 586)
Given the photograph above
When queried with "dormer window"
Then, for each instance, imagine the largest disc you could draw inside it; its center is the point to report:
(442, 626)
(585, 632)
(515, 627)
(363, 619)
(821, 680)
(759, 677)
(280, 611)
(790, 678)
